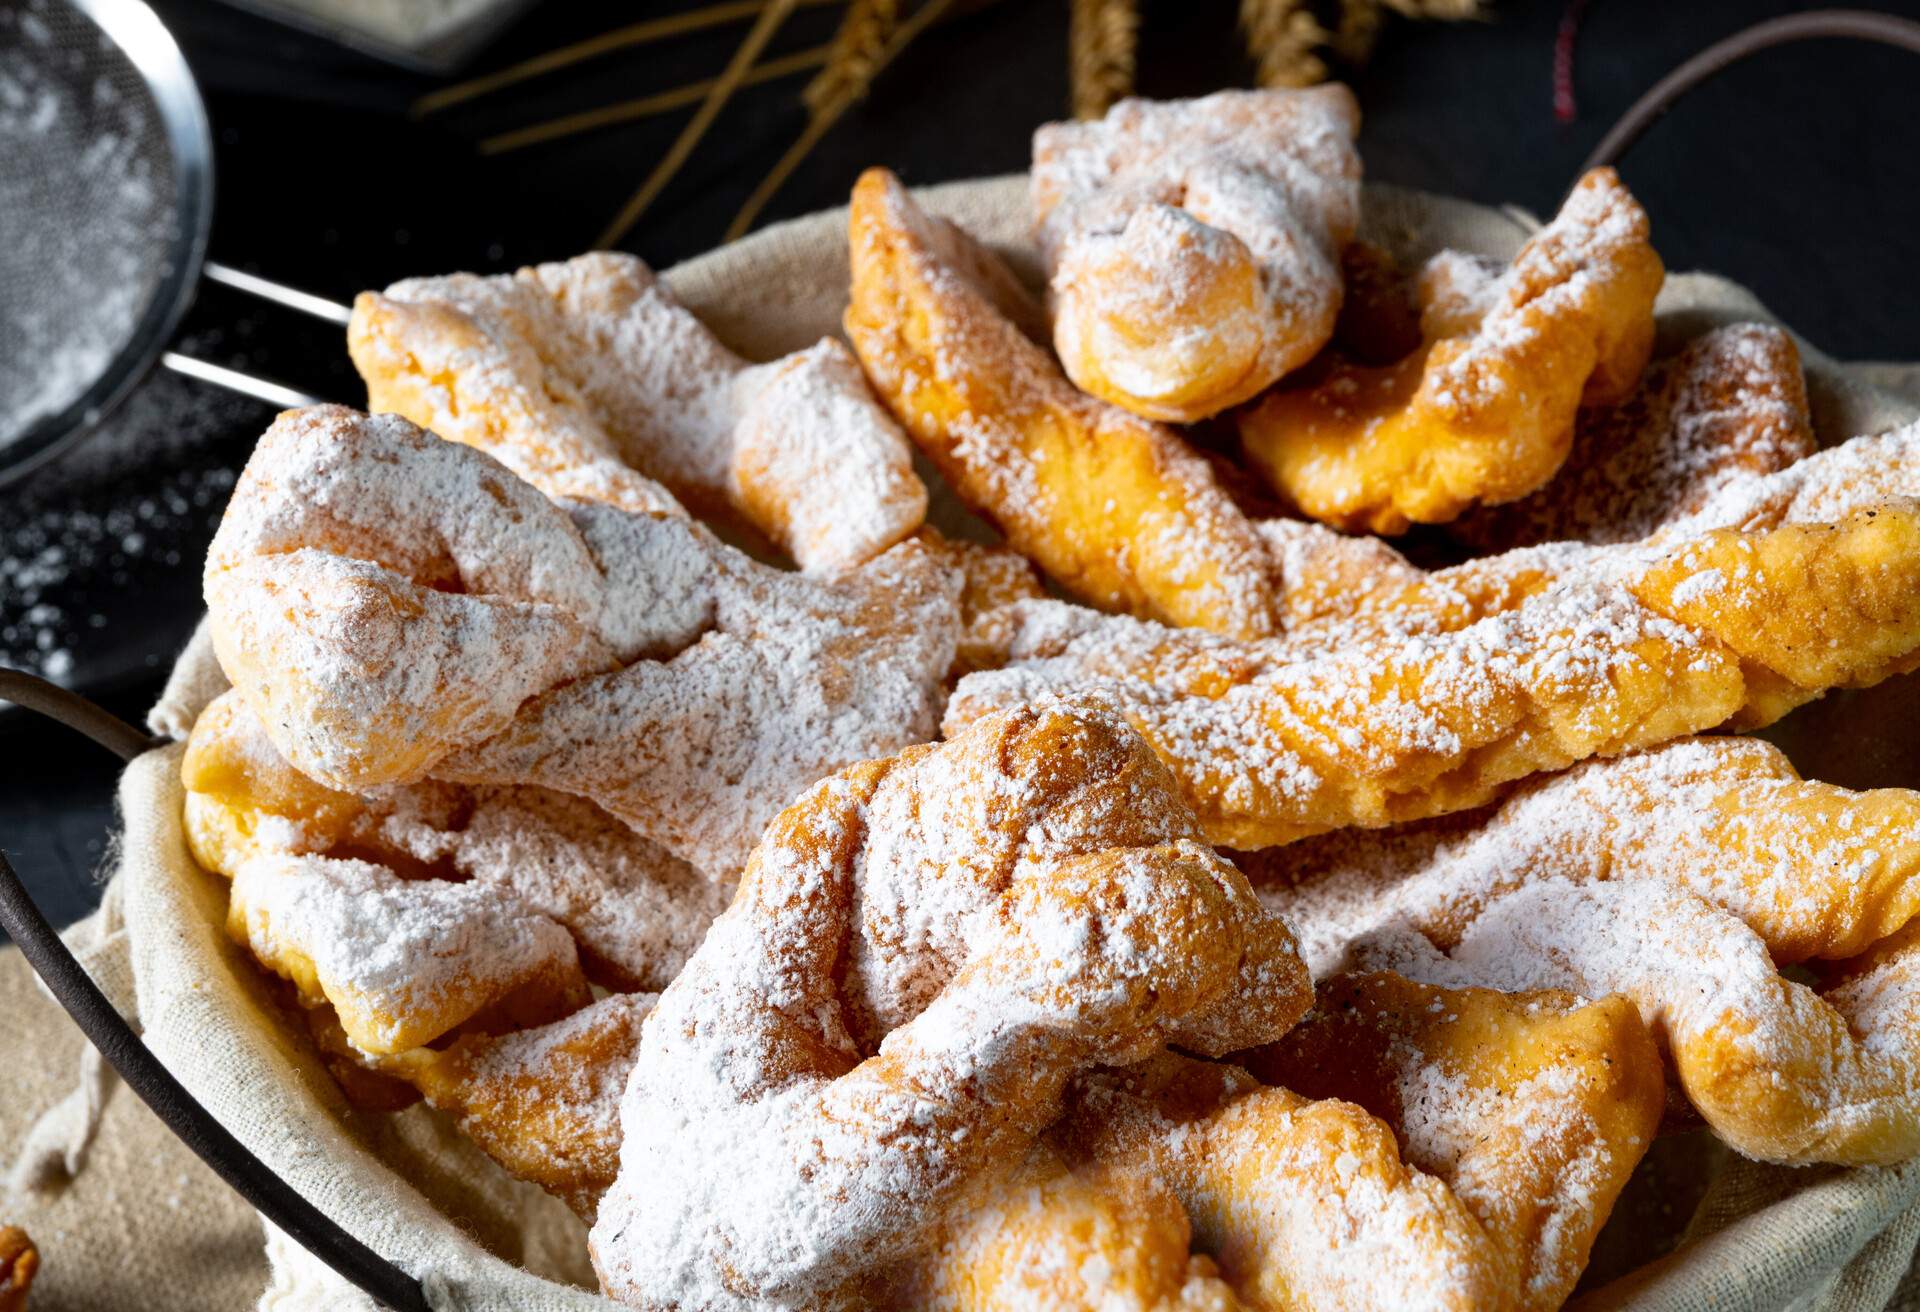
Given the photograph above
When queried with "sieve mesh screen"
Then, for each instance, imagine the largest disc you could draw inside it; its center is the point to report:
(87, 208)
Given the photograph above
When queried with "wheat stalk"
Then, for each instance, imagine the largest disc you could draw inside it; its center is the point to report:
(856, 51)
(634, 34)
(1282, 36)
(1101, 40)
(724, 86)
(827, 114)
(1357, 29)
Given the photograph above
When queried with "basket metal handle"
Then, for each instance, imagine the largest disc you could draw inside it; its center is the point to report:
(108, 1031)
(1813, 25)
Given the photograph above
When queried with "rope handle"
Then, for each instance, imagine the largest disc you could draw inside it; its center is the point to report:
(1813, 25)
(144, 1073)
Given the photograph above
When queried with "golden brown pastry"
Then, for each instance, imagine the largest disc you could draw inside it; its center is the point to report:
(1732, 403)
(1533, 1108)
(394, 607)
(923, 952)
(542, 1102)
(1275, 741)
(19, 1261)
(1781, 1071)
(1816, 871)
(588, 379)
(1484, 411)
(1454, 1149)
(1194, 245)
(635, 912)
(1117, 510)
(402, 961)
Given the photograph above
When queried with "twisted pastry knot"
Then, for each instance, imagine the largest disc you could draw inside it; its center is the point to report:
(1815, 870)
(1117, 510)
(635, 912)
(1404, 1146)
(1431, 692)
(1194, 246)
(589, 380)
(1484, 410)
(474, 924)
(923, 951)
(1683, 879)
(1781, 1071)
(393, 607)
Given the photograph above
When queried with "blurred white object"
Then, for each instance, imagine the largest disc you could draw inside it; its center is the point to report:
(432, 35)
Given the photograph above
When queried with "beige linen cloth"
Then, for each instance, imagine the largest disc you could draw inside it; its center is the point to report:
(127, 1219)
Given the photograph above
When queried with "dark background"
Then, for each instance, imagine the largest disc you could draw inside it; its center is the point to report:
(1794, 174)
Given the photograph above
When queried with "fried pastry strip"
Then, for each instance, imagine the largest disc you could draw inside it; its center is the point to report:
(1485, 412)
(922, 953)
(1273, 742)
(588, 379)
(1194, 245)
(1045, 1237)
(1437, 1148)
(1813, 870)
(1731, 404)
(635, 911)
(1533, 1108)
(1781, 1072)
(402, 961)
(394, 607)
(1444, 684)
(542, 1102)
(1340, 589)
(1118, 510)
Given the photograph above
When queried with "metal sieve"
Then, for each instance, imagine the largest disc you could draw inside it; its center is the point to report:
(106, 195)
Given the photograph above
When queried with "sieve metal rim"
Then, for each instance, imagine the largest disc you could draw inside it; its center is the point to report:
(147, 45)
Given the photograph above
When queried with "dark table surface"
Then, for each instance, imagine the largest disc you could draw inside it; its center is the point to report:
(1793, 174)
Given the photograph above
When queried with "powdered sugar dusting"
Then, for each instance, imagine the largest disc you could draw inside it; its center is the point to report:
(1815, 870)
(1730, 405)
(590, 380)
(1116, 509)
(393, 606)
(402, 961)
(1194, 245)
(1778, 1071)
(921, 954)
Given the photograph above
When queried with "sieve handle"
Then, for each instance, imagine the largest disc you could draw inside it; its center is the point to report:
(277, 292)
(1813, 25)
(260, 389)
(144, 1073)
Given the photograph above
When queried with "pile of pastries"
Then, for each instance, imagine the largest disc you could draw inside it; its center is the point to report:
(1179, 898)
